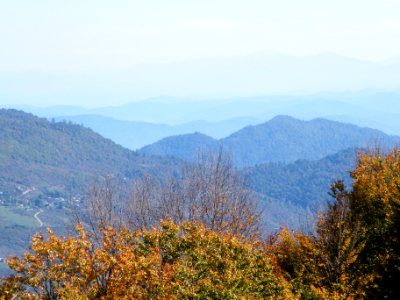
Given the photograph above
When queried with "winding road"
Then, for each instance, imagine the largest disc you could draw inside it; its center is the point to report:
(37, 218)
(31, 189)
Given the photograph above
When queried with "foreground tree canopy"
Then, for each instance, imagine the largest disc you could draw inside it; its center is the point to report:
(353, 254)
(169, 262)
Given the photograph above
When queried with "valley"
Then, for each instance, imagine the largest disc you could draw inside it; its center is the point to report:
(47, 166)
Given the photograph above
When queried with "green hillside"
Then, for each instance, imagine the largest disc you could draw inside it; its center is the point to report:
(303, 183)
(185, 146)
(58, 159)
(48, 166)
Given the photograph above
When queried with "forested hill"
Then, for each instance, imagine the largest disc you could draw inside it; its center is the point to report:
(185, 146)
(282, 139)
(303, 183)
(38, 156)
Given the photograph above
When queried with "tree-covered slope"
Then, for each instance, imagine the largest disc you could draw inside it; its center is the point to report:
(282, 139)
(186, 146)
(46, 169)
(304, 183)
(287, 139)
(38, 156)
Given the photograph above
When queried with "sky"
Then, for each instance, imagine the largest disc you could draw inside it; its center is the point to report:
(87, 35)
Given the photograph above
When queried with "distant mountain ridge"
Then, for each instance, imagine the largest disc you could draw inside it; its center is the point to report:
(141, 123)
(282, 139)
(135, 135)
(254, 74)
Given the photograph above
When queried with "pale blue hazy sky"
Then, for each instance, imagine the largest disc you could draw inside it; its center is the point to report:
(93, 34)
(102, 52)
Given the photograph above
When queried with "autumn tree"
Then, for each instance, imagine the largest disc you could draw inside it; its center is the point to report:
(355, 250)
(295, 255)
(375, 203)
(172, 261)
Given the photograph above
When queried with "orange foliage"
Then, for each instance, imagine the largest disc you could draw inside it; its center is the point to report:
(170, 262)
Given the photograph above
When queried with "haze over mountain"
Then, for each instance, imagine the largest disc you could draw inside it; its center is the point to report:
(237, 76)
(282, 139)
(221, 117)
(134, 135)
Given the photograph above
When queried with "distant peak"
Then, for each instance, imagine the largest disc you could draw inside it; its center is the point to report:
(283, 118)
(195, 135)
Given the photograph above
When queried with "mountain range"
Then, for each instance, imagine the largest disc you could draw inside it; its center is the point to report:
(135, 135)
(282, 139)
(47, 166)
(137, 124)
